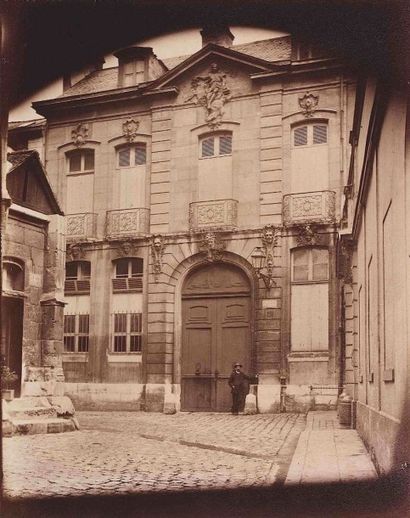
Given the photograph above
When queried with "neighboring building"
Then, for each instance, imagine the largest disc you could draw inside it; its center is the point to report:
(374, 265)
(202, 200)
(33, 252)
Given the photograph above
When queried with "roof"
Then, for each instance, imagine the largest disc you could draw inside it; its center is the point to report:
(29, 124)
(31, 159)
(272, 50)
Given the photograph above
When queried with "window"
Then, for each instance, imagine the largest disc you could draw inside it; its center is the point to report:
(127, 333)
(13, 275)
(311, 134)
(77, 277)
(128, 275)
(310, 265)
(76, 333)
(134, 72)
(81, 161)
(130, 156)
(216, 145)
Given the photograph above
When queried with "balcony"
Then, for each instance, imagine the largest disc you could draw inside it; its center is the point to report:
(127, 223)
(217, 214)
(309, 207)
(81, 226)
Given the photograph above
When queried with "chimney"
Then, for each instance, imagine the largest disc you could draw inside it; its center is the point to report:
(219, 34)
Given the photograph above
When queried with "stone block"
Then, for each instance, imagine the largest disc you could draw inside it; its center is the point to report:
(169, 401)
(268, 399)
(298, 398)
(154, 397)
(250, 404)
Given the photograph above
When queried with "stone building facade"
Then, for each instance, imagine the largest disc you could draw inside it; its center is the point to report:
(374, 268)
(33, 256)
(202, 198)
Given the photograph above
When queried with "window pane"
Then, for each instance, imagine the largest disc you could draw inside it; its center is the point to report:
(71, 270)
(83, 344)
(140, 154)
(121, 268)
(136, 267)
(74, 160)
(88, 160)
(300, 265)
(135, 343)
(300, 136)
(135, 322)
(69, 342)
(208, 147)
(85, 270)
(124, 157)
(320, 259)
(120, 323)
(69, 323)
(120, 344)
(83, 324)
(225, 145)
(319, 134)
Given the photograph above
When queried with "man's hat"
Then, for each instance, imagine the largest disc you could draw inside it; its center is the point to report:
(237, 364)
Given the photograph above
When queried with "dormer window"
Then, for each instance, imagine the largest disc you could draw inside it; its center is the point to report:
(216, 145)
(132, 155)
(134, 73)
(81, 161)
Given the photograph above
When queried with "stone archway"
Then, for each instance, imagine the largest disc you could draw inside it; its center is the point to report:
(216, 332)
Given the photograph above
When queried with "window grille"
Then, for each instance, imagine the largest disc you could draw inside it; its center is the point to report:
(140, 154)
(300, 136)
(124, 155)
(127, 335)
(319, 134)
(76, 333)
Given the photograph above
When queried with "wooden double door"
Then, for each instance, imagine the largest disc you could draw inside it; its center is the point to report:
(216, 334)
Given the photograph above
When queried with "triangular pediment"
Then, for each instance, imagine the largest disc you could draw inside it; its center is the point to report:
(212, 52)
(28, 185)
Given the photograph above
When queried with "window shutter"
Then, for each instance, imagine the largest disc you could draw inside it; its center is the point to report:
(300, 136)
(140, 154)
(225, 144)
(208, 147)
(124, 157)
(319, 134)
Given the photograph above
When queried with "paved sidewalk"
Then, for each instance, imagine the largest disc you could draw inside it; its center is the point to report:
(328, 452)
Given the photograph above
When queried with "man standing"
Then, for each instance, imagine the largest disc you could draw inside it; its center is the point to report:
(239, 383)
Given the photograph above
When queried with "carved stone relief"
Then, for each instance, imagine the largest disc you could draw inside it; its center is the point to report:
(269, 241)
(75, 252)
(79, 134)
(129, 129)
(126, 248)
(212, 245)
(157, 251)
(307, 235)
(346, 261)
(308, 102)
(212, 93)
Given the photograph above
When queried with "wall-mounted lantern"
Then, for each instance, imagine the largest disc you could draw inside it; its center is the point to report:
(262, 262)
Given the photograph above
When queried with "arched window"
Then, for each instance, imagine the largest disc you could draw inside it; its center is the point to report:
(80, 161)
(310, 299)
(13, 275)
(219, 144)
(128, 275)
(77, 277)
(131, 155)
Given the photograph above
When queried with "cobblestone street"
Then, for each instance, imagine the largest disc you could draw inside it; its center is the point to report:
(125, 452)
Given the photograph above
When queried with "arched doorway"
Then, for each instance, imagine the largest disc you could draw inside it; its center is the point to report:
(216, 332)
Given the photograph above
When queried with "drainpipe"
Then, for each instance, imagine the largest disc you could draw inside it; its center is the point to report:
(282, 407)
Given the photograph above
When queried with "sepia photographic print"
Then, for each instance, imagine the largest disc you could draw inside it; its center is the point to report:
(205, 243)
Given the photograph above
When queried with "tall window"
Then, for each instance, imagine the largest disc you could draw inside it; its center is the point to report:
(77, 277)
(76, 333)
(310, 300)
(132, 155)
(80, 181)
(309, 158)
(127, 335)
(128, 275)
(216, 145)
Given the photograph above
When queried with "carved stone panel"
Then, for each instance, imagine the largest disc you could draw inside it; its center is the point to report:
(81, 226)
(130, 128)
(79, 134)
(127, 222)
(308, 102)
(318, 207)
(213, 214)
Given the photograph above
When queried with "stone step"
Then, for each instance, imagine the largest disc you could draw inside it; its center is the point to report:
(27, 413)
(41, 425)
